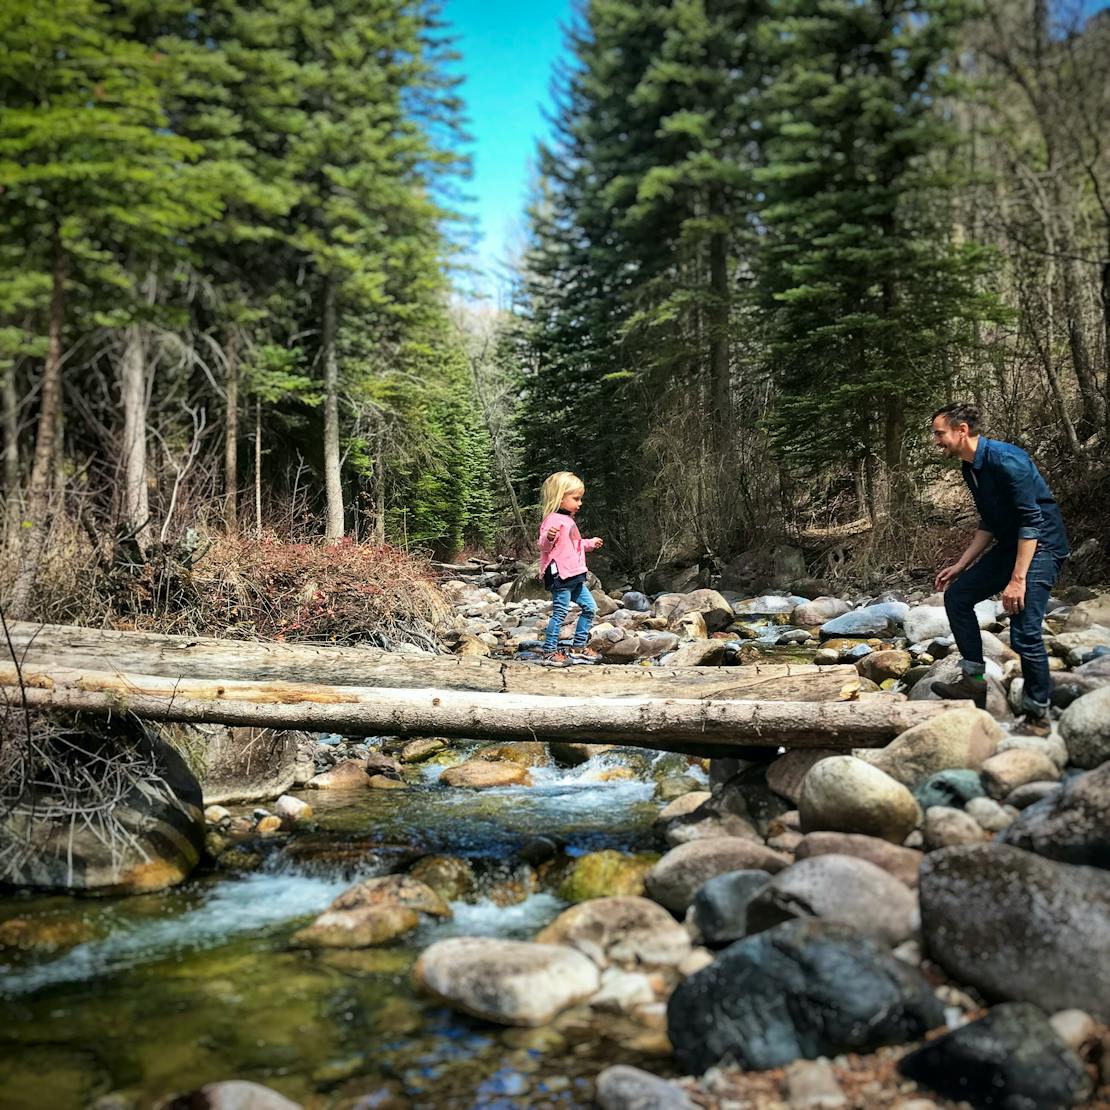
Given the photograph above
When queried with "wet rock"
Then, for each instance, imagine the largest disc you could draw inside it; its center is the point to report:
(1016, 926)
(1008, 770)
(231, 1094)
(819, 611)
(378, 763)
(627, 932)
(841, 889)
(450, 877)
(574, 755)
(478, 774)
(675, 879)
(505, 981)
(597, 874)
(720, 907)
(422, 748)
(43, 935)
(902, 863)
(148, 838)
(671, 787)
(626, 1088)
(958, 739)
(345, 775)
(1071, 825)
(871, 620)
(787, 773)
(371, 912)
(268, 825)
(1085, 729)
(800, 990)
(291, 809)
(213, 815)
(526, 753)
(246, 764)
(945, 827)
(950, 788)
(1012, 1057)
(386, 782)
(845, 794)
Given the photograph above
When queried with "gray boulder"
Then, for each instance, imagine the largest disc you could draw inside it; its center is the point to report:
(800, 990)
(1016, 926)
(872, 620)
(1085, 729)
(720, 909)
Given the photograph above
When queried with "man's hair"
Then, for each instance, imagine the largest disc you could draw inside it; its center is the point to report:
(960, 413)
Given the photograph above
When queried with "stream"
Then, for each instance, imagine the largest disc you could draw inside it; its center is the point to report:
(162, 993)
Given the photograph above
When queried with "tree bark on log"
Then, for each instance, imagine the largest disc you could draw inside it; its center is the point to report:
(698, 727)
(148, 653)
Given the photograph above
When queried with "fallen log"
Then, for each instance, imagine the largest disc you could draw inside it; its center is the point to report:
(201, 657)
(695, 726)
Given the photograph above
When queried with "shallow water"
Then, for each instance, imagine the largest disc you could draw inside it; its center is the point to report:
(169, 991)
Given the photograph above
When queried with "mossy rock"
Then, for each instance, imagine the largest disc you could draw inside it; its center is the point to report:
(526, 753)
(607, 873)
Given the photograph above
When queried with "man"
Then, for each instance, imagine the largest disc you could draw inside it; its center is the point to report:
(1018, 550)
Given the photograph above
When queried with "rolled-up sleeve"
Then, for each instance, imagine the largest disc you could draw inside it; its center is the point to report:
(1018, 478)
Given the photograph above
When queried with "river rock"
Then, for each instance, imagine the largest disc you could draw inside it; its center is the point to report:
(450, 877)
(675, 879)
(1085, 729)
(1072, 825)
(926, 622)
(597, 874)
(1051, 746)
(882, 665)
(787, 773)
(343, 776)
(1013, 768)
(622, 1087)
(1012, 1057)
(990, 815)
(845, 794)
(819, 611)
(480, 774)
(720, 907)
(681, 806)
(231, 1094)
(422, 748)
(945, 827)
(950, 788)
(526, 753)
(1016, 926)
(960, 738)
(635, 601)
(627, 932)
(656, 641)
(770, 605)
(244, 764)
(372, 912)
(151, 827)
(902, 863)
(803, 989)
(506, 981)
(574, 755)
(1031, 793)
(842, 889)
(883, 619)
(714, 609)
(699, 653)
(291, 810)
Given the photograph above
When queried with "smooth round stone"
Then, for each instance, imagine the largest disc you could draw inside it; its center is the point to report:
(845, 794)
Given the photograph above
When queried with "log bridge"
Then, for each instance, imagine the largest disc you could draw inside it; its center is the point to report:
(707, 711)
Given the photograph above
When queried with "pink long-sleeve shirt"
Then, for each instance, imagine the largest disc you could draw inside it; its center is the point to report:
(568, 550)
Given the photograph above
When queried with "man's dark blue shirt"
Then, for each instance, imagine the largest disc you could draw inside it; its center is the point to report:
(1013, 500)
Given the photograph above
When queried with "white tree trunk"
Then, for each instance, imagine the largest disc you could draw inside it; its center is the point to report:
(132, 372)
(332, 483)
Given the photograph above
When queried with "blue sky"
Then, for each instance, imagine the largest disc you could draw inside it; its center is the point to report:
(509, 50)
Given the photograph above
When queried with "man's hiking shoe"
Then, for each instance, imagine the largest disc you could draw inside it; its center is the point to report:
(1030, 725)
(965, 688)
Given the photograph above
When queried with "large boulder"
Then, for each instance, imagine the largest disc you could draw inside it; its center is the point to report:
(1085, 729)
(1072, 825)
(800, 990)
(902, 863)
(1016, 926)
(113, 809)
(506, 981)
(844, 889)
(481, 774)
(948, 670)
(675, 879)
(786, 774)
(713, 609)
(1012, 1057)
(374, 911)
(818, 611)
(961, 738)
(245, 764)
(845, 794)
(632, 932)
(881, 666)
(883, 619)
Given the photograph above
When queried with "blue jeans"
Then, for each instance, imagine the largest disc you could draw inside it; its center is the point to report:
(986, 578)
(561, 599)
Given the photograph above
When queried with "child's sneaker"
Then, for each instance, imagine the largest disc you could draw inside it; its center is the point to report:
(554, 658)
(585, 652)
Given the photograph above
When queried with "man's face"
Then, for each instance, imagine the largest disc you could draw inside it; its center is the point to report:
(947, 439)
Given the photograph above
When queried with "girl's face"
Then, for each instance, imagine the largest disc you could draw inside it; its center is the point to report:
(572, 500)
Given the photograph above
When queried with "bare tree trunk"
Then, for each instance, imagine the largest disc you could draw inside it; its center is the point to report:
(231, 437)
(258, 467)
(50, 400)
(12, 498)
(136, 504)
(1089, 396)
(379, 489)
(332, 480)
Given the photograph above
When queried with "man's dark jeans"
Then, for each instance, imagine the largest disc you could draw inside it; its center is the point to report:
(988, 577)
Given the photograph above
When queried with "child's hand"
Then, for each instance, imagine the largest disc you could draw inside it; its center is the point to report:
(598, 542)
(552, 532)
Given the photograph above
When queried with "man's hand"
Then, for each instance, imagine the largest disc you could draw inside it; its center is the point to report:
(945, 578)
(1013, 596)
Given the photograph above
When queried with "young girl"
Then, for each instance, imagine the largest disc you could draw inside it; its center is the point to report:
(563, 563)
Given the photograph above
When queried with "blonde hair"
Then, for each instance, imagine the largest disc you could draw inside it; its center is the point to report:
(556, 487)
